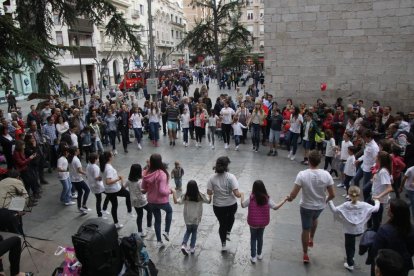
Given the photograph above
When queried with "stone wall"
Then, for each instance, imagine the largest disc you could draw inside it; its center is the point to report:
(360, 48)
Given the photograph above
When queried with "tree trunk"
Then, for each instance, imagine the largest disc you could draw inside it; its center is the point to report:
(216, 42)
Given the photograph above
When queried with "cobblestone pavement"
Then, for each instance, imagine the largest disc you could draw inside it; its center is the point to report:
(282, 247)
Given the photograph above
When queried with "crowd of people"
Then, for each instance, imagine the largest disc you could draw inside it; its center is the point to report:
(358, 143)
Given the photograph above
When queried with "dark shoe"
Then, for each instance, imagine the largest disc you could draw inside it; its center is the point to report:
(173, 143)
(274, 153)
(170, 143)
(43, 182)
(269, 153)
(126, 151)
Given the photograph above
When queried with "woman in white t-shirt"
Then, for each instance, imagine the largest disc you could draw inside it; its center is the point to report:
(225, 189)
(296, 121)
(95, 183)
(63, 176)
(113, 187)
(381, 187)
(76, 172)
(136, 122)
(226, 115)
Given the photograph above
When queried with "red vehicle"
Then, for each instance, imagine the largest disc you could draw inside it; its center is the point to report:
(131, 78)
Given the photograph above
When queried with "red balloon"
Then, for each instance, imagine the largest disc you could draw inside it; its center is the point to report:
(323, 86)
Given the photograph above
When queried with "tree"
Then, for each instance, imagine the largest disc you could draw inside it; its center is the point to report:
(25, 38)
(219, 32)
(234, 57)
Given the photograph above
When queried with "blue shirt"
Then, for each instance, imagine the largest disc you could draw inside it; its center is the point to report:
(50, 132)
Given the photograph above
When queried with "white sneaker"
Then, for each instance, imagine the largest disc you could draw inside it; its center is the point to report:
(349, 267)
(192, 250)
(340, 185)
(184, 250)
(85, 209)
(115, 152)
(293, 157)
(70, 203)
(210, 144)
(196, 144)
(118, 225)
(149, 229)
(260, 257)
(237, 148)
(75, 195)
(290, 154)
(142, 234)
(106, 212)
(139, 147)
(212, 147)
(103, 217)
(132, 215)
(335, 177)
(226, 146)
(223, 247)
(344, 195)
(186, 144)
(253, 260)
(159, 245)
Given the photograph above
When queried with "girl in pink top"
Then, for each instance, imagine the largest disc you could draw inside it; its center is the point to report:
(155, 184)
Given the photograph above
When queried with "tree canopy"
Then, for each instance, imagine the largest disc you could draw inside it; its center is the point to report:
(220, 31)
(25, 36)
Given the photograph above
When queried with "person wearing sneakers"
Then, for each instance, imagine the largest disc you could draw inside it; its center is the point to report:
(185, 125)
(258, 216)
(193, 201)
(237, 131)
(76, 171)
(275, 124)
(226, 115)
(314, 184)
(138, 199)
(173, 113)
(296, 121)
(345, 144)
(95, 183)
(354, 215)
(225, 190)
(255, 121)
(63, 176)
(350, 169)
(212, 123)
(113, 187)
(136, 122)
(155, 184)
(310, 130)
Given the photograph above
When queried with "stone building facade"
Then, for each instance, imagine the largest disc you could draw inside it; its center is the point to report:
(360, 48)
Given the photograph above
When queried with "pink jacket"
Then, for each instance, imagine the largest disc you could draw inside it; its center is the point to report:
(156, 185)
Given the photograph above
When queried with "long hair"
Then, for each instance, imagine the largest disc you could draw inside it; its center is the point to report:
(135, 173)
(103, 159)
(260, 193)
(385, 161)
(192, 193)
(297, 112)
(72, 153)
(155, 163)
(222, 164)
(400, 217)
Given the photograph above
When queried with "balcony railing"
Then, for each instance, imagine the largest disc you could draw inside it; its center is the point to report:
(135, 14)
(84, 52)
(82, 25)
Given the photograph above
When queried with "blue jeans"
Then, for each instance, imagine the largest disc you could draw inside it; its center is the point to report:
(178, 183)
(138, 134)
(292, 141)
(256, 240)
(66, 195)
(185, 131)
(98, 146)
(156, 210)
(237, 139)
(191, 230)
(256, 135)
(154, 129)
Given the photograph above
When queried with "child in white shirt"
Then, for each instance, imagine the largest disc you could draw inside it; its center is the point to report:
(237, 131)
(349, 168)
(330, 152)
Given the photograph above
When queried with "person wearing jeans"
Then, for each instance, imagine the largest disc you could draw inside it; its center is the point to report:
(95, 181)
(75, 171)
(111, 128)
(63, 176)
(154, 116)
(226, 115)
(255, 120)
(296, 121)
(225, 188)
(155, 184)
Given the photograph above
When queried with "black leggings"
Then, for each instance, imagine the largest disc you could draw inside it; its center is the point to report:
(199, 133)
(140, 213)
(83, 193)
(225, 216)
(98, 204)
(226, 132)
(13, 246)
(113, 198)
(328, 161)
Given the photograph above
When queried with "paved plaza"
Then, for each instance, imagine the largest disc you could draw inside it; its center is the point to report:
(282, 246)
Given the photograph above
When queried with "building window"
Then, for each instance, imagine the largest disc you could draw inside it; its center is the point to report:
(181, 21)
(176, 34)
(181, 35)
(249, 15)
(172, 19)
(261, 29)
(172, 33)
(261, 14)
(56, 19)
(141, 9)
(59, 38)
